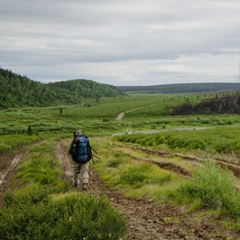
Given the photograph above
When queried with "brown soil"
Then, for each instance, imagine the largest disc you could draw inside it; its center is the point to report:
(122, 114)
(146, 220)
(8, 165)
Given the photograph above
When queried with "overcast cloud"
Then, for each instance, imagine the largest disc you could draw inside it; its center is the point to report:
(137, 42)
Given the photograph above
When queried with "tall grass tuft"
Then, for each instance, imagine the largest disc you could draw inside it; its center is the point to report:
(214, 187)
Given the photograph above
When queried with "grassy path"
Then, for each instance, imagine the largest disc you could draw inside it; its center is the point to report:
(146, 218)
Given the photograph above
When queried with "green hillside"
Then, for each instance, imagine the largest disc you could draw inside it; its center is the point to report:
(20, 91)
(87, 88)
(183, 88)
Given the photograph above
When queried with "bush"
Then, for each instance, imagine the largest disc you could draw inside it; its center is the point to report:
(31, 195)
(227, 146)
(71, 217)
(205, 121)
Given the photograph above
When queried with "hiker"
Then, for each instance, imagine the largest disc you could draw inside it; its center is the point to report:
(81, 154)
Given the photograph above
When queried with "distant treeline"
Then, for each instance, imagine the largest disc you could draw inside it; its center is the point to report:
(227, 104)
(20, 91)
(184, 88)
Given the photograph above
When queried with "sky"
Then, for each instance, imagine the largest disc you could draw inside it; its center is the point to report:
(122, 43)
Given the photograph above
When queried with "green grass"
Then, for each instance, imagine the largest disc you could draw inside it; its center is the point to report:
(150, 111)
(10, 143)
(211, 187)
(33, 214)
(49, 119)
(219, 139)
(41, 167)
(44, 191)
(43, 206)
(133, 178)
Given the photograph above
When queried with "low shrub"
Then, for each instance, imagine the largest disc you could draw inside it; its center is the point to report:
(219, 139)
(71, 217)
(227, 146)
(214, 186)
(30, 195)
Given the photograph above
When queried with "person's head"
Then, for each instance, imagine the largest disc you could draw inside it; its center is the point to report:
(78, 133)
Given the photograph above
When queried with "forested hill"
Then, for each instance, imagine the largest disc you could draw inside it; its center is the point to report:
(20, 91)
(87, 88)
(183, 88)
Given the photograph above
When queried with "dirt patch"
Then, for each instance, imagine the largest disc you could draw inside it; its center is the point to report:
(147, 220)
(8, 165)
(120, 116)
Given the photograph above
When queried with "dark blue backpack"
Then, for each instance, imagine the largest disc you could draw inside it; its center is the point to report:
(82, 151)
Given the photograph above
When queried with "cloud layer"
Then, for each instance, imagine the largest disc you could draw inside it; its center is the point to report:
(121, 42)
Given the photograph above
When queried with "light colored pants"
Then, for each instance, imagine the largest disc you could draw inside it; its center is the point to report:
(81, 168)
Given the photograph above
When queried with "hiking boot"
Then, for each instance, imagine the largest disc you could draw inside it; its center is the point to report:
(75, 183)
(84, 186)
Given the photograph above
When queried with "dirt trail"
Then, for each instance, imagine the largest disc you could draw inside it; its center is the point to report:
(148, 220)
(8, 164)
(122, 114)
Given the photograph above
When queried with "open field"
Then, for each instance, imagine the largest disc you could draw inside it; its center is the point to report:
(183, 167)
(141, 112)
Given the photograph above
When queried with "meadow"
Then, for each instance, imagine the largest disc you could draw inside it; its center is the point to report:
(146, 125)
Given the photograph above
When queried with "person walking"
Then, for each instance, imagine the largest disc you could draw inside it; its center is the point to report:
(80, 151)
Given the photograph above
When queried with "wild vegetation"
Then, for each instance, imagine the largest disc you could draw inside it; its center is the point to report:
(212, 139)
(44, 207)
(230, 103)
(190, 161)
(207, 186)
(20, 91)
